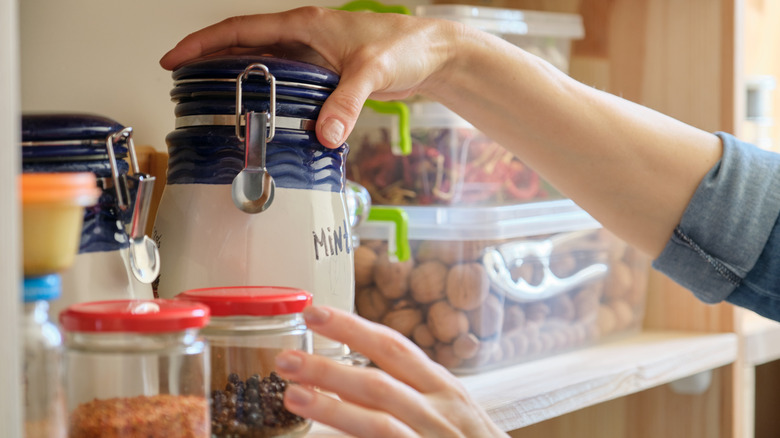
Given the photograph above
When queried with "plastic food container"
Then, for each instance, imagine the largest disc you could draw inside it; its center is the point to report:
(488, 287)
(52, 213)
(451, 163)
(545, 34)
(136, 368)
(248, 328)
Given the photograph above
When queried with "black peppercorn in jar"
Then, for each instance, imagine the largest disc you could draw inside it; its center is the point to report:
(250, 325)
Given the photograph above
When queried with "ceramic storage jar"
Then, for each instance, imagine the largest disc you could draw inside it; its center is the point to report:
(300, 236)
(115, 260)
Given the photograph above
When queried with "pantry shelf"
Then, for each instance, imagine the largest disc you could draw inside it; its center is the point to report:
(532, 392)
(761, 339)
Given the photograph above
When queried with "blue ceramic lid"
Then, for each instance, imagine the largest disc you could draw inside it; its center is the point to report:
(229, 67)
(68, 137)
(44, 288)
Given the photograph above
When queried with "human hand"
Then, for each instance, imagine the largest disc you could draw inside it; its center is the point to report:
(379, 56)
(408, 396)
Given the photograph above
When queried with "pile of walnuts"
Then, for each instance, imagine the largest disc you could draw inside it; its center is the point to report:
(442, 299)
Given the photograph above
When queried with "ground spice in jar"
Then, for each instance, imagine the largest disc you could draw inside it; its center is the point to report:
(253, 408)
(157, 416)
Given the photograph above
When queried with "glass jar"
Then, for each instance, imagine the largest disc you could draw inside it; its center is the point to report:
(113, 261)
(44, 402)
(302, 239)
(248, 328)
(136, 368)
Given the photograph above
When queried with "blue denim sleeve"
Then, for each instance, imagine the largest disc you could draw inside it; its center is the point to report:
(727, 245)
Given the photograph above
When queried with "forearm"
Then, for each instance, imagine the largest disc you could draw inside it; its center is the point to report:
(632, 168)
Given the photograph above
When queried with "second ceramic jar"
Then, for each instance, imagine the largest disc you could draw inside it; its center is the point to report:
(263, 206)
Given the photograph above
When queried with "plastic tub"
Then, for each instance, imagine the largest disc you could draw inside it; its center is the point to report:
(52, 215)
(489, 287)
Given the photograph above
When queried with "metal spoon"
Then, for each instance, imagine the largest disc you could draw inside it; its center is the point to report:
(144, 255)
(253, 187)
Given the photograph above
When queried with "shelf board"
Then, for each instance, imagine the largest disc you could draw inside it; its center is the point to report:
(761, 337)
(532, 392)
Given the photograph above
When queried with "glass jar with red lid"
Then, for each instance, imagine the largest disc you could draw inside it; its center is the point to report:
(136, 368)
(249, 326)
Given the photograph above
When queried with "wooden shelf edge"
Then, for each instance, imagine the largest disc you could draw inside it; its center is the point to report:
(761, 337)
(529, 393)
(532, 392)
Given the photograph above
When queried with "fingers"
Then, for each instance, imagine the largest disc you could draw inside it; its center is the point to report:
(387, 348)
(368, 388)
(352, 419)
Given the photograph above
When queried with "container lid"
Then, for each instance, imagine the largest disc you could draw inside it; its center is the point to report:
(250, 300)
(43, 288)
(501, 21)
(487, 223)
(229, 67)
(67, 187)
(134, 316)
(66, 136)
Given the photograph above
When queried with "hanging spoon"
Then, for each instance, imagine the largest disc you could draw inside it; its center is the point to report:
(144, 255)
(253, 187)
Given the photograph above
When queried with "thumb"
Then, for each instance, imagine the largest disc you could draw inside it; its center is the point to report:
(339, 114)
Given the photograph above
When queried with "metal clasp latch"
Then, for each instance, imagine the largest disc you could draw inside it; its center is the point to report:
(144, 255)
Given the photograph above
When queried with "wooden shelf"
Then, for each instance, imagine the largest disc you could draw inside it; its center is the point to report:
(529, 393)
(761, 339)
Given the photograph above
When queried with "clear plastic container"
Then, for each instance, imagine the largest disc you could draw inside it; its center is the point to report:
(494, 286)
(545, 34)
(136, 368)
(250, 325)
(451, 163)
(44, 397)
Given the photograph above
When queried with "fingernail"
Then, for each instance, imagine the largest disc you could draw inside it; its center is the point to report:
(288, 361)
(333, 131)
(297, 395)
(316, 315)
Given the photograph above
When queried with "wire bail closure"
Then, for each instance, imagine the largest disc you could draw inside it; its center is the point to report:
(256, 69)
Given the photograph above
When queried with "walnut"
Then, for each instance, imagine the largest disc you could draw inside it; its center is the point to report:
(466, 346)
(445, 356)
(467, 285)
(427, 281)
(403, 321)
(563, 307)
(422, 336)
(370, 303)
(607, 320)
(514, 317)
(365, 258)
(536, 312)
(586, 301)
(619, 282)
(392, 278)
(488, 319)
(446, 322)
(624, 314)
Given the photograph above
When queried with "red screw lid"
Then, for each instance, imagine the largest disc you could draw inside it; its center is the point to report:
(135, 316)
(250, 300)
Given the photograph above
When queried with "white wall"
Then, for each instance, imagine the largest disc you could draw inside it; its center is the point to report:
(101, 56)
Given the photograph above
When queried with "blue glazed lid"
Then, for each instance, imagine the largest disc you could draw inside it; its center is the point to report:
(68, 137)
(44, 288)
(284, 70)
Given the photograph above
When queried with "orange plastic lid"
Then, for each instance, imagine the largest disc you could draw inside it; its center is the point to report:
(70, 187)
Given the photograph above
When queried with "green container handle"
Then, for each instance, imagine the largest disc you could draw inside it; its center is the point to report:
(398, 109)
(401, 220)
(370, 5)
